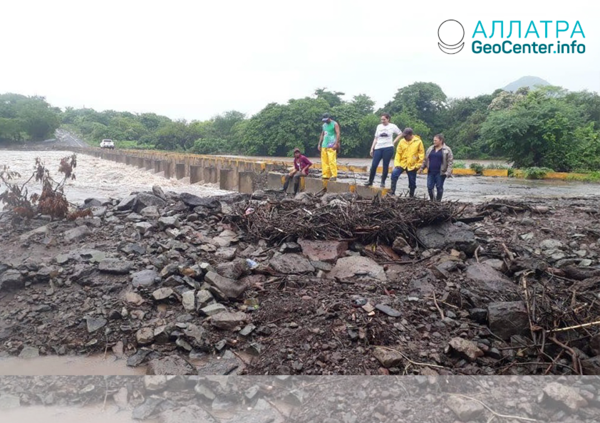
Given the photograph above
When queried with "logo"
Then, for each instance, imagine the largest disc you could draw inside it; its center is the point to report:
(451, 34)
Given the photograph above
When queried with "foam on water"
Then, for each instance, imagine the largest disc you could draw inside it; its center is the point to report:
(98, 178)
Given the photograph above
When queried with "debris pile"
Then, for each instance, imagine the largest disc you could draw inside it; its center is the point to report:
(316, 285)
(345, 217)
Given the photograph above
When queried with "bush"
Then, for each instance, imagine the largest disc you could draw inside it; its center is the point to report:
(497, 166)
(127, 145)
(212, 146)
(52, 201)
(537, 172)
(587, 177)
(460, 165)
(477, 167)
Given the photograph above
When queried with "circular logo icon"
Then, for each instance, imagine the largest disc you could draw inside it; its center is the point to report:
(451, 34)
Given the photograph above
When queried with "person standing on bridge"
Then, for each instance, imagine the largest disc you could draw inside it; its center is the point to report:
(383, 148)
(438, 162)
(329, 146)
(409, 158)
(301, 166)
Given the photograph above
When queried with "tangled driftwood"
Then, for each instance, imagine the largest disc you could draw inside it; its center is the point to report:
(380, 220)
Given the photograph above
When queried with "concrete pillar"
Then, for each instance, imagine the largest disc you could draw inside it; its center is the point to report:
(180, 170)
(206, 174)
(210, 175)
(228, 180)
(366, 192)
(149, 164)
(314, 185)
(195, 174)
(140, 162)
(334, 187)
(157, 164)
(274, 181)
(166, 168)
(246, 182)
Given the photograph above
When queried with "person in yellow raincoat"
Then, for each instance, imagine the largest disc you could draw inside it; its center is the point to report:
(410, 154)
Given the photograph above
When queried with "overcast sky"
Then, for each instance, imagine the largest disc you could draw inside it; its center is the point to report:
(195, 59)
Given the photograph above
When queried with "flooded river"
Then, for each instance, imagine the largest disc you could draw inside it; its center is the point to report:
(105, 179)
(102, 179)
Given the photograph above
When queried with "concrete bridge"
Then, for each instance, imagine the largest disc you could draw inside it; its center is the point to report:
(239, 174)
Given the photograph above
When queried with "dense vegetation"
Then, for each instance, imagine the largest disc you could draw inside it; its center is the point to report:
(26, 118)
(546, 127)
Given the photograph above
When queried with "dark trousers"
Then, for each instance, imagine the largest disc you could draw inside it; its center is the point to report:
(386, 155)
(296, 179)
(412, 179)
(435, 180)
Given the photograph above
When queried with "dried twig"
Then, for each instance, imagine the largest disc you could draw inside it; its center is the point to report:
(495, 413)
(414, 363)
(510, 255)
(585, 325)
(574, 357)
(438, 307)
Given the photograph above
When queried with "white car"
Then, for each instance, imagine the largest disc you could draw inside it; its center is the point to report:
(107, 144)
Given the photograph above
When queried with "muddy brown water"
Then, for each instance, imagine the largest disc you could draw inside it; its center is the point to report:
(477, 189)
(67, 366)
(91, 414)
(97, 365)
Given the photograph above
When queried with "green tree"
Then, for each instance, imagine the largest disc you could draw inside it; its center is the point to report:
(406, 119)
(11, 130)
(463, 120)
(278, 128)
(363, 104)
(588, 102)
(333, 98)
(366, 129)
(349, 119)
(176, 135)
(152, 121)
(223, 124)
(536, 131)
(586, 154)
(212, 146)
(27, 118)
(424, 101)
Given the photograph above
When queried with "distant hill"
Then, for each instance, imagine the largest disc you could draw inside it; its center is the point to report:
(526, 81)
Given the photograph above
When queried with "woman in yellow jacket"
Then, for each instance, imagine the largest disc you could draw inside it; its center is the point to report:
(409, 158)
